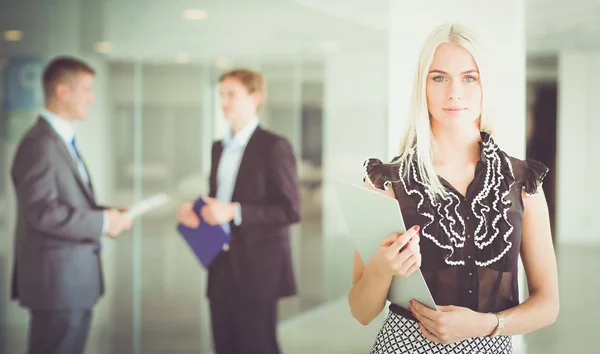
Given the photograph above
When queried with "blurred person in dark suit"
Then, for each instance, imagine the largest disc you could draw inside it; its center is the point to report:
(57, 272)
(254, 197)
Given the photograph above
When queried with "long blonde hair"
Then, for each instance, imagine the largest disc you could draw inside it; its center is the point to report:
(418, 140)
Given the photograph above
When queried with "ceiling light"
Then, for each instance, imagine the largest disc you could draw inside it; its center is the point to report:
(195, 14)
(182, 57)
(102, 47)
(13, 35)
(223, 63)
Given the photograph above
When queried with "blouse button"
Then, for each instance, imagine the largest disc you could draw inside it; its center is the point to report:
(468, 218)
(470, 274)
(469, 257)
(470, 291)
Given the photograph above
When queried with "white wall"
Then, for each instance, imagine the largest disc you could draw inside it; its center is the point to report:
(578, 144)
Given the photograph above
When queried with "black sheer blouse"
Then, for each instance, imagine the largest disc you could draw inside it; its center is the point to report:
(469, 244)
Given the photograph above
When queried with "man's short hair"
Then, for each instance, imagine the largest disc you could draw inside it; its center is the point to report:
(61, 69)
(253, 81)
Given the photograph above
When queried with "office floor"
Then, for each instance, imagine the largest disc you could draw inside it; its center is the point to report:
(331, 329)
(174, 315)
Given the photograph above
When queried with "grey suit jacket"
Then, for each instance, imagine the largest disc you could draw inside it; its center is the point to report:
(56, 259)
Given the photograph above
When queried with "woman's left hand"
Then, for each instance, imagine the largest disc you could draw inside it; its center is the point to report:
(451, 323)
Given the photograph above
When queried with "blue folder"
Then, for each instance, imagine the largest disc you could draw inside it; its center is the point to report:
(206, 241)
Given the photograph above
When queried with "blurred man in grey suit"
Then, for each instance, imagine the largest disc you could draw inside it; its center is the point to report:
(57, 273)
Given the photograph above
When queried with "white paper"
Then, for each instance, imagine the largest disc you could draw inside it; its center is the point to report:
(142, 207)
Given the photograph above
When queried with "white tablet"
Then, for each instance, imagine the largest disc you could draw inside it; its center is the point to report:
(370, 217)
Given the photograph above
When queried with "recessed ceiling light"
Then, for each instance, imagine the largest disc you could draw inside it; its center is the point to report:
(223, 63)
(182, 57)
(13, 35)
(195, 14)
(102, 47)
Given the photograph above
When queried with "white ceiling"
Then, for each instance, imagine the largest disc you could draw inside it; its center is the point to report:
(235, 29)
(256, 29)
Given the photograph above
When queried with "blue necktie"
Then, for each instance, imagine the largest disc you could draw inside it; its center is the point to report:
(80, 163)
(74, 145)
(80, 166)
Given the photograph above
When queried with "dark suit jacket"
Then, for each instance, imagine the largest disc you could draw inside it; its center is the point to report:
(258, 265)
(56, 262)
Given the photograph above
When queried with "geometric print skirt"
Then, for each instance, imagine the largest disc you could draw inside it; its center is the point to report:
(400, 335)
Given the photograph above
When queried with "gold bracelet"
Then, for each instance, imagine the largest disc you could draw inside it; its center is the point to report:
(500, 325)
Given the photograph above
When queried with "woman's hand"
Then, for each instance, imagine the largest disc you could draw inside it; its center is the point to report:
(452, 323)
(398, 254)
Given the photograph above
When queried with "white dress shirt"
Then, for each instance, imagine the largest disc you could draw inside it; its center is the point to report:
(229, 164)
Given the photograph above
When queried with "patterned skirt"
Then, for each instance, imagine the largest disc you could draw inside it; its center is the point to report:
(400, 335)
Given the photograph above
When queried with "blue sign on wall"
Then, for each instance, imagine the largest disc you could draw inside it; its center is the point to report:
(22, 84)
(21, 94)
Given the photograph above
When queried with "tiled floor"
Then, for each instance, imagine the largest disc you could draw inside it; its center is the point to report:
(174, 316)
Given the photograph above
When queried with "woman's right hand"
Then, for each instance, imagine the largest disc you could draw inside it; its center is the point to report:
(187, 216)
(392, 259)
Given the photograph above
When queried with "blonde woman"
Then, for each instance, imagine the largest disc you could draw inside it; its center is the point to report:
(473, 210)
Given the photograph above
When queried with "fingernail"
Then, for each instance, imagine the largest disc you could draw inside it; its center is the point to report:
(411, 302)
(416, 228)
(410, 309)
(398, 235)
